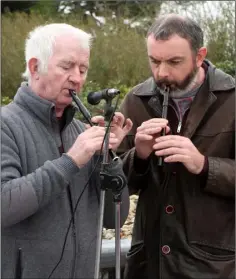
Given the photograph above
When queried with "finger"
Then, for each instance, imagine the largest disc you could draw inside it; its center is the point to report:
(170, 151)
(167, 129)
(143, 137)
(151, 131)
(177, 158)
(112, 146)
(94, 141)
(101, 124)
(113, 141)
(98, 146)
(151, 126)
(96, 128)
(92, 145)
(171, 137)
(128, 126)
(156, 130)
(87, 126)
(112, 135)
(98, 120)
(168, 144)
(155, 121)
(93, 132)
(119, 119)
(99, 141)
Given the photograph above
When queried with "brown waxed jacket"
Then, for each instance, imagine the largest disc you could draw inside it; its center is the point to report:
(185, 225)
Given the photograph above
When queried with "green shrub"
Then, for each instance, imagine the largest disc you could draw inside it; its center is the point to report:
(5, 100)
(118, 56)
(227, 66)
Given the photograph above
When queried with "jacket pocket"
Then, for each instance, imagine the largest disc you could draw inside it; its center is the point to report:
(218, 144)
(8, 257)
(210, 227)
(212, 263)
(39, 257)
(209, 219)
(211, 254)
(136, 262)
(209, 222)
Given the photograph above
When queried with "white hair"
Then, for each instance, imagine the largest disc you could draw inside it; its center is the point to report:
(40, 42)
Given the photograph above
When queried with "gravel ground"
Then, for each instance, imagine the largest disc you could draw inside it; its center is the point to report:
(126, 230)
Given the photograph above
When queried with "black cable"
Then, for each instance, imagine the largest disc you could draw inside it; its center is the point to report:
(68, 229)
(86, 184)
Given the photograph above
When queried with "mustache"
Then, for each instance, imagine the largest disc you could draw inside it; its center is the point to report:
(166, 83)
(181, 85)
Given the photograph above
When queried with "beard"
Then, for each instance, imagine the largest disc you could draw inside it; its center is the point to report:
(180, 89)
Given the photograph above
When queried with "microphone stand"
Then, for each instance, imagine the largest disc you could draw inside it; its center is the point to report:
(102, 203)
(114, 182)
(87, 115)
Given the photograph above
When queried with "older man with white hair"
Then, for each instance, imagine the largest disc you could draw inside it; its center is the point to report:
(48, 162)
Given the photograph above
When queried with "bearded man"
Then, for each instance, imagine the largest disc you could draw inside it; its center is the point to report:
(184, 224)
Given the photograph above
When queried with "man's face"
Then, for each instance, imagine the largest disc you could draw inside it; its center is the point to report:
(172, 62)
(67, 69)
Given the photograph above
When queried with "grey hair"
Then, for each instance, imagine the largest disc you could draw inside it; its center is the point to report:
(40, 42)
(168, 25)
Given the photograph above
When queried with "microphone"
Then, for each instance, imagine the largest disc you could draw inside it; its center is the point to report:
(94, 98)
(87, 116)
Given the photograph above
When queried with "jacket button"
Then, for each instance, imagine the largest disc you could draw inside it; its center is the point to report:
(169, 209)
(165, 249)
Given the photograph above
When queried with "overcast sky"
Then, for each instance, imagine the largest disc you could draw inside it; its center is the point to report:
(212, 7)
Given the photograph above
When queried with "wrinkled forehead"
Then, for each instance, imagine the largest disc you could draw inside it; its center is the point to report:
(69, 48)
(71, 38)
(70, 41)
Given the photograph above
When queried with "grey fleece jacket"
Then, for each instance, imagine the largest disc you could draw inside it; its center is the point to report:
(40, 187)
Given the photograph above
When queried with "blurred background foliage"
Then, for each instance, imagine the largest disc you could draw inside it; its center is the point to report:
(118, 57)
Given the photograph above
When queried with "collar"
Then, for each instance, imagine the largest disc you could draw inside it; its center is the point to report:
(43, 109)
(218, 81)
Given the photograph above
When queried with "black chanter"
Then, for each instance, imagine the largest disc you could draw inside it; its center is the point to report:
(166, 92)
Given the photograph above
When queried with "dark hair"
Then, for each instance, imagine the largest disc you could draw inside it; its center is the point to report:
(167, 25)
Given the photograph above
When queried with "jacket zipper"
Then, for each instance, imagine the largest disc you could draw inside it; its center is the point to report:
(19, 269)
(72, 274)
(73, 233)
(179, 126)
(179, 119)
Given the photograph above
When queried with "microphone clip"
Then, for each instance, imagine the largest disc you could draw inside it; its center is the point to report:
(115, 183)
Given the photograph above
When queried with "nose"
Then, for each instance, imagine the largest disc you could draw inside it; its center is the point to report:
(75, 76)
(162, 71)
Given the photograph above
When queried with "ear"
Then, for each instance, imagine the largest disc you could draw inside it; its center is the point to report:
(33, 67)
(202, 52)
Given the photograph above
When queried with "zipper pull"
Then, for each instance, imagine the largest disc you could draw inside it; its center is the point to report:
(179, 127)
(18, 271)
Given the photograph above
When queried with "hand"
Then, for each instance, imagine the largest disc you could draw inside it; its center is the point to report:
(119, 126)
(87, 143)
(146, 135)
(180, 149)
